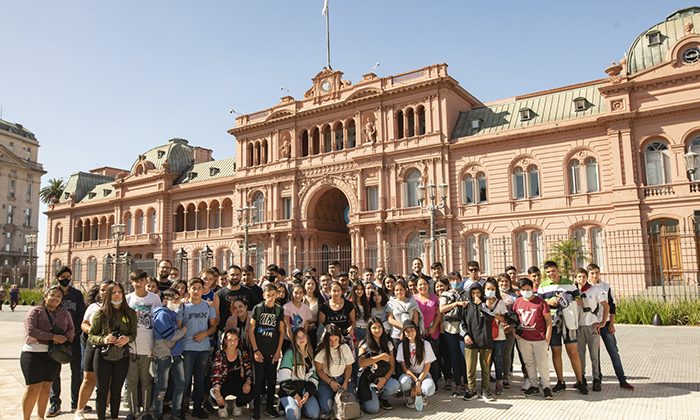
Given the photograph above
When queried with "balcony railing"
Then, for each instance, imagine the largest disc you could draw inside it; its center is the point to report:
(665, 190)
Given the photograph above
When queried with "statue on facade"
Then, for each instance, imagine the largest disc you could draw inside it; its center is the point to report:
(370, 132)
(285, 149)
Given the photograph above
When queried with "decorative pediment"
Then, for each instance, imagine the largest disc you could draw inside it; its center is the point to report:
(363, 93)
(326, 86)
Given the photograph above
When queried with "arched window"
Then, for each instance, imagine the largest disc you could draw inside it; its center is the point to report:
(351, 133)
(414, 249)
(304, 143)
(533, 180)
(526, 184)
(574, 181)
(127, 223)
(657, 163)
(226, 213)
(467, 189)
(57, 234)
(77, 270)
(250, 154)
(694, 147)
(180, 218)
(315, 139)
(259, 263)
(597, 247)
(411, 184)
(327, 143)
(474, 189)
(580, 237)
(214, 215)
(481, 187)
(411, 122)
(339, 136)
(263, 153)
(421, 120)
(259, 204)
(529, 247)
(140, 222)
(79, 231)
(399, 125)
(518, 183)
(92, 269)
(592, 179)
(152, 221)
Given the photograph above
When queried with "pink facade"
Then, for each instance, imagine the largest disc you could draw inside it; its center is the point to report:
(333, 175)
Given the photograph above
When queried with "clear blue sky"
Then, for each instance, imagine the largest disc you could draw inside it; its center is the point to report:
(99, 82)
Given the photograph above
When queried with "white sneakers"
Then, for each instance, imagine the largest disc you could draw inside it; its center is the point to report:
(526, 385)
(79, 415)
(222, 413)
(237, 411)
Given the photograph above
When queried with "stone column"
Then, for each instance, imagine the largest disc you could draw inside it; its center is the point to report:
(380, 248)
(290, 250)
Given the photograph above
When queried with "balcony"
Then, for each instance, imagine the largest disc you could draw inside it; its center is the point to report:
(203, 233)
(142, 239)
(659, 191)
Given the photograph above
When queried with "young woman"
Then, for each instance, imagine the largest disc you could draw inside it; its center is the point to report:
(429, 306)
(415, 358)
(497, 308)
(112, 329)
(388, 285)
(298, 379)
(239, 320)
(152, 285)
(412, 285)
(334, 360)
(451, 306)
(444, 357)
(282, 294)
(231, 374)
(296, 313)
(181, 287)
(401, 308)
(378, 304)
(339, 312)
(44, 324)
(376, 359)
(508, 296)
(313, 298)
(362, 310)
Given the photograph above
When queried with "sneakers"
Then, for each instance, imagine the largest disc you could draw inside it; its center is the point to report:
(418, 403)
(597, 386)
(237, 411)
(469, 395)
(200, 413)
(533, 390)
(627, 385)
(455, 394)
(448, 385)
(499, 388)
(526, 384)
(548, 394)
(410, 403)
(560, 386)
(582, 388)
(130, 417)
(79, 415)
(147, 416)
(506, 384)
(385, 404)
(272, 412)
(54, 410)
(487, 397)
(222, 413)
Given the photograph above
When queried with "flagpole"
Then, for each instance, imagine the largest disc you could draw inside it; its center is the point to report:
(328, 36)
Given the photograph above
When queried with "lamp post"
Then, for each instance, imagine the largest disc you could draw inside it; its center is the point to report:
(31, 244)
(181, 259)
(206, 257)
(431, 191)
(245, 221)
(117, 232)
(691, 164)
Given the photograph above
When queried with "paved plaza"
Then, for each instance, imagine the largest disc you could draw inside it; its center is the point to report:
(662, 363)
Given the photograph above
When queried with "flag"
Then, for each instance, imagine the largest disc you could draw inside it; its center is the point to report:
(324, 12)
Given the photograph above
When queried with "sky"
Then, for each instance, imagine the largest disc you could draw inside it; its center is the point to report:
(100, 82)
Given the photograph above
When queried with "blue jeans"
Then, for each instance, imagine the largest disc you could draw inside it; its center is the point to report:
(195, 365)
(391, 387)
(169, 368)
(326, 395)
(455, 346)
(427, 386)
(611, 346)
(497, 357)
(291, 409)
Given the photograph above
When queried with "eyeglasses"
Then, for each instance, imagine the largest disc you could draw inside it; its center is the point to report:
(473, 270)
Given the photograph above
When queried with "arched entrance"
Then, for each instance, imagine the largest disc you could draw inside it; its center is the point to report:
(328, 218)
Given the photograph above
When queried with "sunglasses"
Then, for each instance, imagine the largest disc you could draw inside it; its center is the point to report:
(473, 270)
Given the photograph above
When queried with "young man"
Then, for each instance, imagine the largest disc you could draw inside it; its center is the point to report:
(473, 274)
(344, 281)
(164, 269)
(167, 354)
(334, 270)
(607, 332)
(248, 279)
(74, 302)
(437, 272)
(595, 309)
(324, 282)
(379, 274)
(265, 336)
(144, 303)
(417, 267)
(512, 273)
(200, 320)
(534, 274)
(368, 277)
(354, 274)
(475, 329)
(559, 292)
(536, 323)
(230, 293)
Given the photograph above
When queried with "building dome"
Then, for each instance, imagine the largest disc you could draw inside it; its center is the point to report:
(652, 46)
(178, 154)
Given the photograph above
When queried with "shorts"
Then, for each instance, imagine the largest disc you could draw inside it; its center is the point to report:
(37, 367)
(556, 340)
(88, 362)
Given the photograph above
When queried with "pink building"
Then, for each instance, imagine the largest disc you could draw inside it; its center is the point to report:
(335, 175)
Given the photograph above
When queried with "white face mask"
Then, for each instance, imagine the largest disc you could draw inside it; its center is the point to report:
(117, 303)
(173, 306)
(526, 294)
(489, 294)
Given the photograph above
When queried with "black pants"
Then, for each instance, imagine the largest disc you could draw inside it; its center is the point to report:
(110, 379)
(265, 377)
(76, 378)
(234, 386)
(444, 357)
(435, 366)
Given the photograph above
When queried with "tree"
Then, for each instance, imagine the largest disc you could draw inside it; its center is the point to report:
(53, 191)
(565, 253)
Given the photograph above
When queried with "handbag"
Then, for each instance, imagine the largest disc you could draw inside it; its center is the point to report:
(60, 353)
(112, 353)
(346, 406)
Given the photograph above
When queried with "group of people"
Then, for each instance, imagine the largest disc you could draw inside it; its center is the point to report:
(295, 341)
(14, 296)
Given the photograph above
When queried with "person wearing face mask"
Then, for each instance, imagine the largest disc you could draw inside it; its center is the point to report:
(497, 306)
(451, 304)
(74, 302)
(536, 323)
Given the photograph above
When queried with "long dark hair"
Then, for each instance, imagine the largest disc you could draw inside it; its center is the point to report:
(112, 313)
(493, 283)
(330, 331)
(420, 349)
(298, 360)
(382, 293)
(362, 302)
(224, 339)
(317, 290)
(377, 347)
(388, 276)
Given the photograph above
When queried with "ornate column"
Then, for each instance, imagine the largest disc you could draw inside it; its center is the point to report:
(306, 249)
(380, 248)
(273, 254)
(196, 219)
(290, 250)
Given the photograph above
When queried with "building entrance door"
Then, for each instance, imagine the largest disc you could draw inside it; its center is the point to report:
(328, 219)
(666, 251)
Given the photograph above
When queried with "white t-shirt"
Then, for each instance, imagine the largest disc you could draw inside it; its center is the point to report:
(144, 307)
(91, 311)
(594, 295)
(338, 364)
(500, 309)
(428, 356)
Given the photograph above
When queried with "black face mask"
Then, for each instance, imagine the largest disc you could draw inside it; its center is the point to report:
(271, 278)
(64, 282)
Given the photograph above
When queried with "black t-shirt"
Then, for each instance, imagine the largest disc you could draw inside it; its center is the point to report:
(228, 296)
(164, 285)
(257, 291)
(267, 327)
(340, 318)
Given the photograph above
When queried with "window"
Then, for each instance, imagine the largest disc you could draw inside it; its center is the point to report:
(326, 139)
(592, 182)
(152, 221)
(574, 182)
(474, 189)
(580, 237)
(471, 248)
(77, 270)
(691, 55)
(10, 214)
(526, 114)
(304, 143)
(522, 247)
(581, 104)
(484, 255)
(399, 125)
(481, 187)
(140, 223)
(372, 198)
(597, 239)
(27, 217)
(421, 121)
(654, 38)
(286, 208)
(339, 136)
(411, 188)
(259, 254)
(92, 269)
(657, 164)
(537, 246)
(411, 122)
(467, 190)
(29, 193)
(526, 184)
(351, 133)
(518, 184)
(529, 248)
(533, 181)
(259, 204)
(127, 223)
(695, 147)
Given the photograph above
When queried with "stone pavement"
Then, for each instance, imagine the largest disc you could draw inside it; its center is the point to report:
(662, 362)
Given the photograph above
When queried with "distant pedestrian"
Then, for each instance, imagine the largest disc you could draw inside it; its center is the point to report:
(3, 296)
(14, 297)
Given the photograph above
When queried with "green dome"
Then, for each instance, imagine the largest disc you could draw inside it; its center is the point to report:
(649, 50)
(177, 152)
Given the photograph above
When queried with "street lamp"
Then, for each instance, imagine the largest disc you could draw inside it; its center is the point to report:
(431, 191)
(117, 232)
(181, 260)
(206, 257)
(245, 221)
(31, 244)
(691, 164)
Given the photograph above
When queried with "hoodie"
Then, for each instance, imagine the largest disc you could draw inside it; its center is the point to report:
(166, 334)
(476, 321)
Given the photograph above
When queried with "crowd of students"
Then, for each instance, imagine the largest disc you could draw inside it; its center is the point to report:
(294, 342)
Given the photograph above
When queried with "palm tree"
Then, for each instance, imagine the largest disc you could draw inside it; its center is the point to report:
(52, 192)
(565, 253)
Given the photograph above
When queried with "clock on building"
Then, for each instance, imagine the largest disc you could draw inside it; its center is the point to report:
(326, 86)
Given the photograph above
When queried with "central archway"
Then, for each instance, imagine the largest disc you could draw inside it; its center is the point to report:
(328, 218)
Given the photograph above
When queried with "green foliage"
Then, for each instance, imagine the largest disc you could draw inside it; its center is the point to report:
(564, 253)
(52, 192)
(641, 311)
(30, 295)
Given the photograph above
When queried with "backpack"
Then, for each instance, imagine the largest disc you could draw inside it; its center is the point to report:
(454, 314)
(346, 406)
